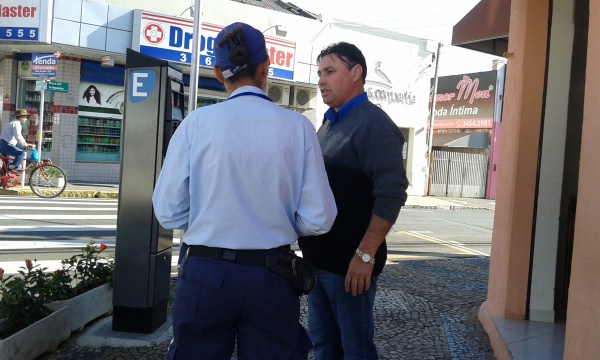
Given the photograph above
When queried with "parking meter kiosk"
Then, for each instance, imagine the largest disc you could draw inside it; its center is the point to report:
(153, 108)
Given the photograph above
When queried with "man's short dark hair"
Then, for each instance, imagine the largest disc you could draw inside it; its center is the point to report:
(348, 53)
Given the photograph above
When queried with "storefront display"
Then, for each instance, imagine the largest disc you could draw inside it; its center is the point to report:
(98, 139)
(99, 124)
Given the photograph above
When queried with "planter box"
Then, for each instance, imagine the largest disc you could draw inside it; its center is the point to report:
(37, 338)
(87, 306)
(47, 333)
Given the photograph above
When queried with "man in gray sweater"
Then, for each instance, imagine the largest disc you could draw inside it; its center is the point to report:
(362, 150)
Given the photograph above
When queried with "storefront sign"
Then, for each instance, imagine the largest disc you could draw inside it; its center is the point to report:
(465, 101)
(101, 100)
(170, 38)
(381, 95)
(43, 65)
(25, 20)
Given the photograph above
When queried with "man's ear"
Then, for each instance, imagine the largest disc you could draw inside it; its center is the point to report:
(262, 75)
(357, 72)
(218, 74)
(264, 69)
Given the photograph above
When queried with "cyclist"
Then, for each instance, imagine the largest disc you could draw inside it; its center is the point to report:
(11, 137)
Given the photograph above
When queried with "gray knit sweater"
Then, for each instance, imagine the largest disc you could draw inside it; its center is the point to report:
(363, 159)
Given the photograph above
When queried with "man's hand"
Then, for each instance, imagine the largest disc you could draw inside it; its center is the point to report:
(358, 277)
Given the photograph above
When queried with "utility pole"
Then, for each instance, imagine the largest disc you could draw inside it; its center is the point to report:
(431, 119)
(41, 117)
(193, 93)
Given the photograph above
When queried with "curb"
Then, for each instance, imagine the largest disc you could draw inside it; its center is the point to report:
(99, 194)
(444, 207)
(67, 193)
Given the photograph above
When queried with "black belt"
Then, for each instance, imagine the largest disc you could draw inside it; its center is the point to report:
(249, 257)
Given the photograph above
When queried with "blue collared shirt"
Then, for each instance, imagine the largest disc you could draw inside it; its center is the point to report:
(334, 116)
(244, 174)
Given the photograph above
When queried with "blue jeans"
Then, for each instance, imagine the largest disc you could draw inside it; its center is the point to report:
(340, 325)
(12, 150)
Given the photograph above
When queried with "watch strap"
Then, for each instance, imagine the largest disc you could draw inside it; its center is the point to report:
(361, 255)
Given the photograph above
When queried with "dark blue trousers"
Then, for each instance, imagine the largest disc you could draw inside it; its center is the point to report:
(12, 150)
(220, 303)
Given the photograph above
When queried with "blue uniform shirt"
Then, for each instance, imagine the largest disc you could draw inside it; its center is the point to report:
(244, 174)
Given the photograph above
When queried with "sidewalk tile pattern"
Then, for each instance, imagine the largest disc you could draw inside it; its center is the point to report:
(426, 309)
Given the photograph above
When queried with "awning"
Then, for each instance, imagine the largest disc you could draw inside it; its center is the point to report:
(477, 140)
(484, 28)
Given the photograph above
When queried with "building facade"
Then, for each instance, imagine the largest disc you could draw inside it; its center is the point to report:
(545, 248)
(83, 114)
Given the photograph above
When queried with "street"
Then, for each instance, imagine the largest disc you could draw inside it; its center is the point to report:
(49, 230)
(52, 229)
(34, 223)
(429, 292)
(441, 233)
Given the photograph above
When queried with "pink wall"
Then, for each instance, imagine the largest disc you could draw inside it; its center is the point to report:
(524, 89)
(582, 340)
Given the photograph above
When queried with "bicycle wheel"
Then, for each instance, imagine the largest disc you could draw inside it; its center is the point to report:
(48, 181)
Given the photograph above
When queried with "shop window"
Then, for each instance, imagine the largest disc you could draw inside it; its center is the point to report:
(100, 122)
(98, 139)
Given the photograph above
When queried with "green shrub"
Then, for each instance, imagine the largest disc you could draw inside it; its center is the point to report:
(23, 296)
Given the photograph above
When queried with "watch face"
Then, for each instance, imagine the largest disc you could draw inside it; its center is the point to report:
(366, 258)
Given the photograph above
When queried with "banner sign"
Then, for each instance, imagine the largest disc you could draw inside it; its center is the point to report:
(170, 38)
(101, 100)
(26, 21)
(465, 101)
(43, 65)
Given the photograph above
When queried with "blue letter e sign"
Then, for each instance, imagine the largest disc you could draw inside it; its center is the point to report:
(141, 84)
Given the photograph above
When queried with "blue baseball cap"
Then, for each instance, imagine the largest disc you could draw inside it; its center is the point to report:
(254, 39)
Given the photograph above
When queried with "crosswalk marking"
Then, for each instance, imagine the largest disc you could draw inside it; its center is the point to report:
(12, 267)
(34, 223)
(31, 228)
(20, 200)
(50, 208)
(56, 217)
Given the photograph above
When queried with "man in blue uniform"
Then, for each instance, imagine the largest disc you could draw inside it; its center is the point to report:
(244, 178)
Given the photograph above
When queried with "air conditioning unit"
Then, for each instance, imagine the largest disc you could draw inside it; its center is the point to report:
(280, 94)
(304, 98)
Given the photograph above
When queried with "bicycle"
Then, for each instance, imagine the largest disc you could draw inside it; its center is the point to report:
(46, 179)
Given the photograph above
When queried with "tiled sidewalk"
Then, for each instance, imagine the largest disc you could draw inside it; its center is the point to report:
(425, 309)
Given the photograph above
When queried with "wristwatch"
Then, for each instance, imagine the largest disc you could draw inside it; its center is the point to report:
(366, 258)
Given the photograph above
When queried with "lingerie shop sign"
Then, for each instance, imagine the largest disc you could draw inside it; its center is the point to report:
(465, 101)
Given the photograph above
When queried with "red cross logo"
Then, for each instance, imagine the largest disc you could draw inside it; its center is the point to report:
(154, 34)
